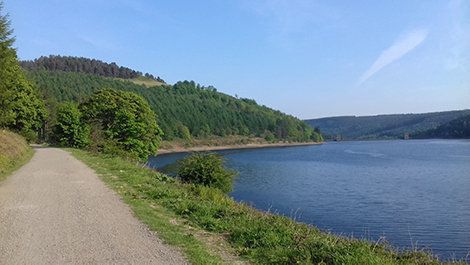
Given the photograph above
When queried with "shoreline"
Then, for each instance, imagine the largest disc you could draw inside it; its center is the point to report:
(230, 147)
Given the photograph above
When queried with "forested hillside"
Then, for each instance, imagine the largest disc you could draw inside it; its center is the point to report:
(185, 109)
(81, 64)
(383, 126)
(457, 129)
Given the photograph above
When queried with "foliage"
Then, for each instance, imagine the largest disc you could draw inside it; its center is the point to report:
(69, 129)
(21, 110)
(76, 64)
(383, 126)
(457, 128)
(263, 238)
(183, 132)
(125, 120)
(202, 110)
(206, 169)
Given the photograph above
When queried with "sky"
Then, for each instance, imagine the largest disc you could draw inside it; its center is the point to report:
(307, 58)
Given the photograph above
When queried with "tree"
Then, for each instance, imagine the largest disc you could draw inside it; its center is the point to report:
(21, 110)
(125, 120)
(69, 129)
(183, 132)
(207, 169)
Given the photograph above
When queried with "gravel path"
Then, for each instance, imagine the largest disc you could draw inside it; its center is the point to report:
(55, 210)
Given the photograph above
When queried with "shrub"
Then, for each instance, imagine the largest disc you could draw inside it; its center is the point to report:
(207, 169)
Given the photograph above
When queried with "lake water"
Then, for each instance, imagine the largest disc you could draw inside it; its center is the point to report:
(413, 193)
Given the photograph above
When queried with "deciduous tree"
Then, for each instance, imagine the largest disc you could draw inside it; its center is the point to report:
(125, 119)
(69, 129)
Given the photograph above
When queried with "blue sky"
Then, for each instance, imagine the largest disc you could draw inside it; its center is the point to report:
(307, 58)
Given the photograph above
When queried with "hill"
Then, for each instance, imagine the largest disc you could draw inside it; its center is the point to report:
(185, 109)
(89, 66)
(457, 129)
(383, 126)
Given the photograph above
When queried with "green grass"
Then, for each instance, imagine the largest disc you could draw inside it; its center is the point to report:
(199, 219)
(140, 188)
(143, 81)
(14, 153)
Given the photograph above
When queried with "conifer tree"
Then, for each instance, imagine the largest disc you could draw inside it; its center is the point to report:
(21, 109)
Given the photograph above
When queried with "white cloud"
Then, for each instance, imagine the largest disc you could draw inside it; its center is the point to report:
(402, 46)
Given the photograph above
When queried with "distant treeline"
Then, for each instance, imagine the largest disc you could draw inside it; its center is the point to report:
(185, 109)
(455, 129)
(383, 126)
(89, 66)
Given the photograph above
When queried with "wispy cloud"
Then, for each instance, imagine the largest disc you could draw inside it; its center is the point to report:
(402, 46)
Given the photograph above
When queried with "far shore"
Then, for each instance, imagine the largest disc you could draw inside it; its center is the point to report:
(229, 147)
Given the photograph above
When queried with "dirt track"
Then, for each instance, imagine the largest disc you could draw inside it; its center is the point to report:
(55, 210)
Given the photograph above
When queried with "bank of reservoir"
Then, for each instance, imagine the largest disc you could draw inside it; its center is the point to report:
(412, 193)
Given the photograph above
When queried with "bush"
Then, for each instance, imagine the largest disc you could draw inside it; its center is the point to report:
(207, 169)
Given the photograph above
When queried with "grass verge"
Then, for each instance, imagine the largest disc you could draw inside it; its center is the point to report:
(200, 219)
(149, 194)
(14, 153)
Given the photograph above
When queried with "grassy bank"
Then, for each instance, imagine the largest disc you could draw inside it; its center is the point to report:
(211, 228)
(14, 152)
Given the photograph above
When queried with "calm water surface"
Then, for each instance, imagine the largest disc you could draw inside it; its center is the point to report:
(413, 193)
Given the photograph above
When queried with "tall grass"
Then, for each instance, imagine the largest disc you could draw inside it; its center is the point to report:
(14, 152)
(178, 211)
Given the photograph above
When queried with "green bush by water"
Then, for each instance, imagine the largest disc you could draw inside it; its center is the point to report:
(207, 169)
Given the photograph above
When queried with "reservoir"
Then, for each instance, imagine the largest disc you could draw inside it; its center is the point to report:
(413, 193)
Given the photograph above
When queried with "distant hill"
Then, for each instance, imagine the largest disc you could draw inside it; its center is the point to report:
(183, 106)
(457, 129)
(383, 126)
(89, 66)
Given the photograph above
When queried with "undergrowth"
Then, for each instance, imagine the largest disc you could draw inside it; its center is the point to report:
(14, 152)
(178, 211)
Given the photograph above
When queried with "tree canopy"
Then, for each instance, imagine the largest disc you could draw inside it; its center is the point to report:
(186, 109)
(21, 110)
(123, 122)
(69, 129)
(89, 66)
(383, 126)
(457, 128)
